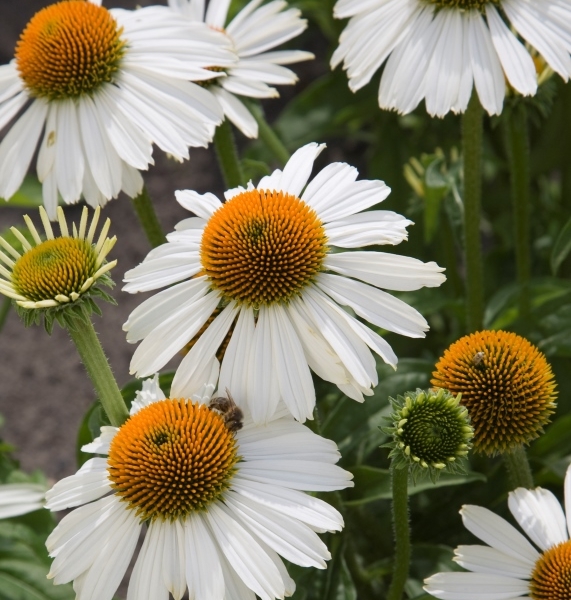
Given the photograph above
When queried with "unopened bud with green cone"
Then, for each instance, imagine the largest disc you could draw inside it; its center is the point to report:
(430, 431)
(57, 277)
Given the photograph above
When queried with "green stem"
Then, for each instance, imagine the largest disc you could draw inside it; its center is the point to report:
(87, 343)
(268, 135)
(518, 468)
(228, 155)
(517, 144)
(472, 127)
(4, 310)
(148, 218)
(399, 481)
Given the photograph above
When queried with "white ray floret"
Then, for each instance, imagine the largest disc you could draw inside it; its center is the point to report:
(510, 566)
(230, 548)
(253, 34)
(439, 50)
(95, 142)
(20, 498)
(272, 344)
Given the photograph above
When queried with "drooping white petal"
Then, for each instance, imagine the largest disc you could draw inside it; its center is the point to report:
(174, 558)
(236, 112)
(20, 498)
(202, 205)
(203, 569)
(245, 556)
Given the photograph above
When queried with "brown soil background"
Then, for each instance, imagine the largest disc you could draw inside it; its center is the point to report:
(44, 391)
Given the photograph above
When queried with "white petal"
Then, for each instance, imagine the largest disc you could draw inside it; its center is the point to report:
(488, 74)
(288, 537)
(18, 147)
(202, 205)
(290, 365)
(377, 227)
(249, 561)
(540, 515)
(483, 559)
(165, 341)
(20, 498)
(149, 394)
(475, 586)
(100, 445)
(203, 569)
(146, 581)
(236, 112)
(389, 271)
(154, 311)
(374, 305)
(516, 60)
(188, 378)
(89, 483)
(174, 559)
(498, 533)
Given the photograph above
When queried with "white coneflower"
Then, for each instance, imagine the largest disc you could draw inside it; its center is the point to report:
(263, 264)
(221, 504)
(253, 34)
(103, 86)
(438, 50)
(509, 566)
(59, 270)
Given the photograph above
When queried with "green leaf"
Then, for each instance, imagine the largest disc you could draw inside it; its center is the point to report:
(25, 580)
(373, 484)
(561, 248)
(28, 196)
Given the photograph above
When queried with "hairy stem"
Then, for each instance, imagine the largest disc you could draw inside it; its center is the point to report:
(399, 481)
(87, 343)
(148, 218)
(518, 468)
(472, 127)
(228, 155)
(517, 145)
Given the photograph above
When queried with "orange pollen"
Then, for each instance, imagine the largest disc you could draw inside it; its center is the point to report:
(506, 384)
(171, 458)
(551, 577)
(69, 49)
(262, 247)
(58, 266)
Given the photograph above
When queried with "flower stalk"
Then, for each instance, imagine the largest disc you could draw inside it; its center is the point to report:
(4, 310)
(148, 218)
(401, 527)
(97, 366)
(517, 145)
(518, 468)
(228, 155)
(472, 128)
(268, 135)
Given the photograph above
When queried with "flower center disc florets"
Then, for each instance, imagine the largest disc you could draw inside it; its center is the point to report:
(171, 458)
(55, 267)
(263, 246)
(506, 385)
(434, 432)
(462, 4)
(551, 577)
(69, 49)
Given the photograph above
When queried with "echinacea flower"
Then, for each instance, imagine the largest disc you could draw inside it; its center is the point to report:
(438, 50)
(262, 263)
(103, 86)
(20, 498)
(253, 34)
(430, 432)
(221, 504)
(509, 566)
(59, 272)
(506, 384)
